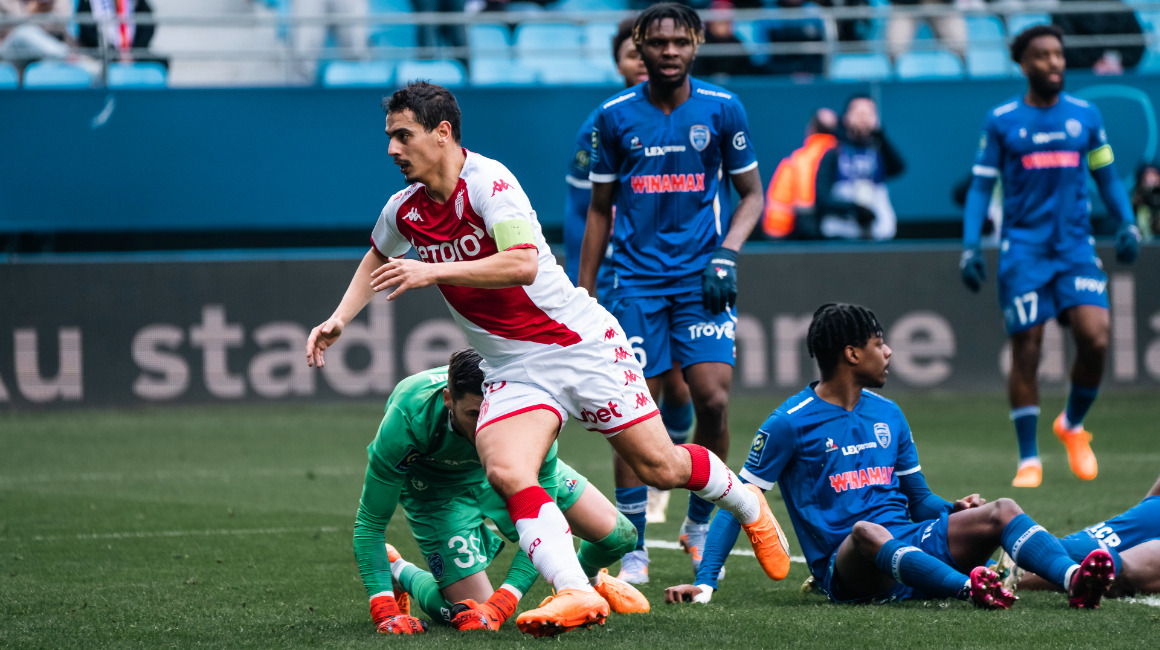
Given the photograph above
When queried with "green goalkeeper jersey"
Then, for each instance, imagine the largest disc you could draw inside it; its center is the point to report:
(418, 456)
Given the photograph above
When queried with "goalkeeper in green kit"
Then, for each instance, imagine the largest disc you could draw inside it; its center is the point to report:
(424, 458)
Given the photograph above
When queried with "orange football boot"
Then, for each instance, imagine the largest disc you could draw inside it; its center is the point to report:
(1030, 475)
(1079, 449)
(768, 540)
(622, 597)
(566, 610)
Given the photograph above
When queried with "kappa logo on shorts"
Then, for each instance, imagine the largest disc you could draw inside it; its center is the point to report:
(435, 563)
(642, 400)
(621, 355)
(630, 377)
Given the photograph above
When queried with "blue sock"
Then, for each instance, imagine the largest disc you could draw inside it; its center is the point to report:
(678, 420)
(916, 569)
(699, 509)
(1078, 547)
(1026, 420)
(631, 503)
(1079, 400)
(1036, 550)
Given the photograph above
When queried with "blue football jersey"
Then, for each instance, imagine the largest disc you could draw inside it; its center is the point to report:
(576, 209)
(1138, 524)
(834, 467)
(1042, 157)
(671, 170)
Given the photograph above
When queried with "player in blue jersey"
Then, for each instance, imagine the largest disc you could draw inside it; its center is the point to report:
(663, 153)
(676, 406)
(1133, 539)
(1042, 145)
(870, 528)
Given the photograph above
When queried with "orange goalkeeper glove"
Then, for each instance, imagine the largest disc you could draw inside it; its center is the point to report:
(390, 620)
(470, 615)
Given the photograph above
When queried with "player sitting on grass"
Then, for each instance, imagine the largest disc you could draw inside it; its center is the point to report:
(1131, 537)
(424, 458)
(869, 526)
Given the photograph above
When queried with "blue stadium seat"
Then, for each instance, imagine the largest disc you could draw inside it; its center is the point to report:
(445, 72)
(391, 35)
(1019, 22)
(984, 30)
(581, 6)
(340, 74)
(500, 72)
(937, 64)
(8, 76)
(859, 67)
(989, 62)
(1151, 61)
(572, 72)
(142, 74)
(598, 40)
(56, 74)
(540, 46)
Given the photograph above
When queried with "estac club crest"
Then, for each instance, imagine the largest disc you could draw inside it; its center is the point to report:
(699, 136)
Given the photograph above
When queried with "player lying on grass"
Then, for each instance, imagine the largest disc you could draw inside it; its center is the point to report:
(1131, 537)
(869, 526)
(424, 458)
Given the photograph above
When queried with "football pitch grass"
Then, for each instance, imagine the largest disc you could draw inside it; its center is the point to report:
(231, 527)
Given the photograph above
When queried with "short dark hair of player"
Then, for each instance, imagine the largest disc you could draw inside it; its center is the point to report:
(1024, 38)
(431, 104)
(836, 325)
(855, 97)
(682, 15)
(623, 33)
(818, 125)
(463, 374)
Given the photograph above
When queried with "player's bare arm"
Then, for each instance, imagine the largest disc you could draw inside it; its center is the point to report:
(596, 233)
(511, 268)
(748, 212)
(357, 295)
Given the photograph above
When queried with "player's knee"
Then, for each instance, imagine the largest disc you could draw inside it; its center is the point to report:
(1003, 511)
(1093, 343)
(506, 480)
(660, 476)
(623, 538)
(868, 537)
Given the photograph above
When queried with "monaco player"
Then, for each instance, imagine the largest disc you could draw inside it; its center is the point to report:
(549, 350)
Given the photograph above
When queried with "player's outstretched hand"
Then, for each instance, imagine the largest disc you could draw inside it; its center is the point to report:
(1127, 243)
(403, 624)
(689, 594)
(967, 502)
(719, 281)
(402, 275)
(320, 338)
(972, 269)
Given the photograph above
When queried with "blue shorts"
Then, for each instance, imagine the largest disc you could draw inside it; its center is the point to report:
(929, 536)
(663, 329)
(1034, 289)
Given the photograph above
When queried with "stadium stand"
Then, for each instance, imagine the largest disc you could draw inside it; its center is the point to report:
(8, 76)
(935, 64)
(56, 74)
(445, 72)
(345, 74)
(871, 66)
(136, 75)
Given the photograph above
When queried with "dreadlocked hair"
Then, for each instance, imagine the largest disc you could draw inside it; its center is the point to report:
(835, 326)
(463, 374)
(682, 15)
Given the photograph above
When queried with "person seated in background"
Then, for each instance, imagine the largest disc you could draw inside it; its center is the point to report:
(1146, 200)
(794, 29)
(32, 41)
(949, 27)
(789, 203)
(121, 33)
(719, 33)
(852, 201)
(1100, 59)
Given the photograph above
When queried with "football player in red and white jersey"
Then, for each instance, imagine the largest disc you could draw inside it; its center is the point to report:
(549, 350)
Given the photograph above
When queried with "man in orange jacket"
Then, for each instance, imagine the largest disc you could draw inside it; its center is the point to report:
(789, 202)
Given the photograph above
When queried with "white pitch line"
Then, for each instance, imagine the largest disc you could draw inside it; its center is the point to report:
(174, 533)
(674, 546)
(1154, 601)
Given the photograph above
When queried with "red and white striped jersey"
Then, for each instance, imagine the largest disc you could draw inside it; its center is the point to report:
(501, 324)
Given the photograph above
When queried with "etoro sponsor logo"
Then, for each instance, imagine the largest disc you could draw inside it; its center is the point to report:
(459, 249)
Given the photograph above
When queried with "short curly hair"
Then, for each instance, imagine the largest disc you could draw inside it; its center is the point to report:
(1024, 38)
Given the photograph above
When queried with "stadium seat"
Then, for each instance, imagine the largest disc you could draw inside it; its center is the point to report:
(339, 74)
(859, 67)
(500, 72)
(1019, 22)
(445, 72)
(581, 6)
(984, 30)
(8, 76)
(937, 64)
(989, 62)
(542, 46)
(56, 74)
(382, 35)
(598, 40)
(574, 71)
(142, 74)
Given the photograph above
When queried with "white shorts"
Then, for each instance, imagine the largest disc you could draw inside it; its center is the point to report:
(597, 381)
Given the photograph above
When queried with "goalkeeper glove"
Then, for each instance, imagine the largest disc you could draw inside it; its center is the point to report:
(1127, 243)
(719, 281)
(388, 618)
(470, 615)
(972, 269)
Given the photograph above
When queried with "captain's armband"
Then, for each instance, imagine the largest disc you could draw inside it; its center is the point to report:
(1100, 157)
(514, 233)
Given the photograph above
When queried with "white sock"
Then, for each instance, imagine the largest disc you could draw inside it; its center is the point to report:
(727, 492)
(397, 567)
(547, 540)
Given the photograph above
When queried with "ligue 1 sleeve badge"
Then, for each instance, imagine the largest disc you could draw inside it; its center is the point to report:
(699, 136)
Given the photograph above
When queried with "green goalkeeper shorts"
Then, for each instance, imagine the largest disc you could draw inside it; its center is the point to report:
(453, 536)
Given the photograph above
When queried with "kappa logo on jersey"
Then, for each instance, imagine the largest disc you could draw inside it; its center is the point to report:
(882, 432)
(461, 248)
(413, 215)
(1090, 284)
(435, 563)
(830, 446)
(858, 479)
(739, 142)
(699, 136)
(666, 183)
(499, 186)
(601, 415)
(409, 458)
(711, 329)
(570, 484)
(459, 204)
(1050, 160)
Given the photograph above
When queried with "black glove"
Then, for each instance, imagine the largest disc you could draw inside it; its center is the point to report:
(1127, 243)
(719, 281)
(972, 269)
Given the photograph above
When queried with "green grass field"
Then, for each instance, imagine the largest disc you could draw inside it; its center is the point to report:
(231, 527)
